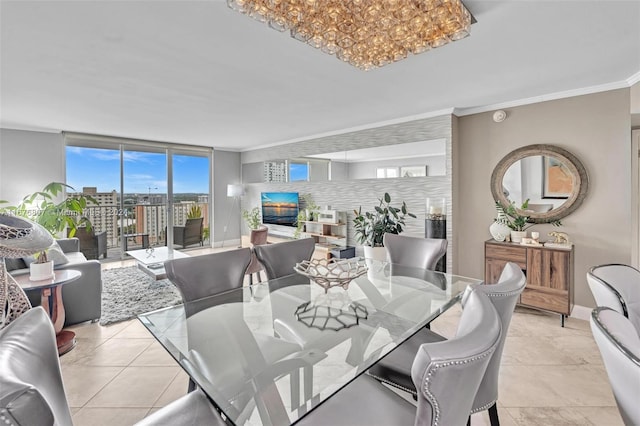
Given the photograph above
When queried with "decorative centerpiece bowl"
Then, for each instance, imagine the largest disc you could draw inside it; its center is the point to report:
(329, 273)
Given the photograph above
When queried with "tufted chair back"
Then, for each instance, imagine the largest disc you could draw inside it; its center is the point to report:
(447, 374)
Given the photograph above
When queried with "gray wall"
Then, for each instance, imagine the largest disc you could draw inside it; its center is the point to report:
(349, 195)
(596, 128)
(226, 170)
(29, 161)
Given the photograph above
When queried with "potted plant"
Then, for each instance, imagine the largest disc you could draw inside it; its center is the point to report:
(54, 217)
(307, 214)
(195, 212)
(41, 268)
(517, 222)
(252, 218)
(370, 227)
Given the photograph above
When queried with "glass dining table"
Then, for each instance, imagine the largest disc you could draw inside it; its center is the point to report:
(270, 353)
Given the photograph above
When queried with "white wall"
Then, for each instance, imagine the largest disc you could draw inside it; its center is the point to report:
(595, 128)
(29, 161)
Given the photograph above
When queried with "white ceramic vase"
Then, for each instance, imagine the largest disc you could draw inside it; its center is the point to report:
(41, 271)
(375, 253)
(517, 236)
(500, 231)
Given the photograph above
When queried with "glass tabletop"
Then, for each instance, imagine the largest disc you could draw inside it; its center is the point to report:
(271, 353)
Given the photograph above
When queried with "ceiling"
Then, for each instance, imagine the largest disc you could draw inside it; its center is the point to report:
(196, 72)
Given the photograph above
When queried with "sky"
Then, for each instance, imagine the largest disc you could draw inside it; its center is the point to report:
(144, 172)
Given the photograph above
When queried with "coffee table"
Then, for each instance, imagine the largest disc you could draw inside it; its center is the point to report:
(151, 260)
(51, 301)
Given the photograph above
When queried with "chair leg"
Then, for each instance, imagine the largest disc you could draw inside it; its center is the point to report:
(493, 415)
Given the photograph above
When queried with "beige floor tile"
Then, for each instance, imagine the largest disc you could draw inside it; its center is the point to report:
(176, 389)
(84, 347)
(91, 330)
(120, 352)
(135, 387)
(134, 330)
(529, 322)
(82, 382)
(154, 356)
(108, 416)
(534, 350)
(554, 386)
(566, 416)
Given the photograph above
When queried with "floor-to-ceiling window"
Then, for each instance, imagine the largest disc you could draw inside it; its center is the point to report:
(143, 188)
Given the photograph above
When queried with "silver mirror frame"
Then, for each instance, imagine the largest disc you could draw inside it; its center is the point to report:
(579, 173)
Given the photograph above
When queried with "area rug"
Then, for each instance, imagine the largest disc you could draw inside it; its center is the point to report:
(127, 292)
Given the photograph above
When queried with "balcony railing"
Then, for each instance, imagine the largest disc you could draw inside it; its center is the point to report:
(148, 219)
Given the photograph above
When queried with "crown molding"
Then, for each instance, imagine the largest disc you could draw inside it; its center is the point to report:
(461, 112)
(634, 79)
(447, 111)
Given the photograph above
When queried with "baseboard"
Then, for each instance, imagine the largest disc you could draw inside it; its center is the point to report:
(581, 312)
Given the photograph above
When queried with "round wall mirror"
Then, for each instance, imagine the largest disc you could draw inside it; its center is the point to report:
(553, 180)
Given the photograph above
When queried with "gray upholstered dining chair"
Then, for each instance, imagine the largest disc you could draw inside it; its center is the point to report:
(258, 237)
(415, 252)
(447, 374)
(395, 368)
(31, 388)
(618, 287)
(619, 346)
(201, 276)
(279, 259)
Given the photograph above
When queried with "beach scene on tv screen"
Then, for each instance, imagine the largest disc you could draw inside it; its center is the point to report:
(280, 208)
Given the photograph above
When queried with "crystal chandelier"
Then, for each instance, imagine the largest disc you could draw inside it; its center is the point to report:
(365, 33)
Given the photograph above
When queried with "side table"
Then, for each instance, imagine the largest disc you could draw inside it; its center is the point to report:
(51, 301)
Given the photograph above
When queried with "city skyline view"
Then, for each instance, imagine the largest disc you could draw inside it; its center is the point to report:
(144, 172)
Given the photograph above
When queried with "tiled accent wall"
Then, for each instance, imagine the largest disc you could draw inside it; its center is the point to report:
(349, 195)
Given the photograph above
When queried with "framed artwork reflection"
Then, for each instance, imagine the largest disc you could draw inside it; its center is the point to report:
(557, 181)
(413, 171)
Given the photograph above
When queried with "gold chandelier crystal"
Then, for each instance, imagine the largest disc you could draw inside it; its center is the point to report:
(364, 33)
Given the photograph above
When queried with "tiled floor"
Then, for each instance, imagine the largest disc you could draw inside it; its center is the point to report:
(550, 375)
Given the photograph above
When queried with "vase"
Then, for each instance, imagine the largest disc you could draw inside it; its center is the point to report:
(500, 231)
(517, 236)
(375, 253)
(41, 271)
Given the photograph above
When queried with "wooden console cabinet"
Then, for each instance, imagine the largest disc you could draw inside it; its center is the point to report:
(549, 274)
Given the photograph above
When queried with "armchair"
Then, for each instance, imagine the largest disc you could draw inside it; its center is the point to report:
(92, 244)
(190, 233)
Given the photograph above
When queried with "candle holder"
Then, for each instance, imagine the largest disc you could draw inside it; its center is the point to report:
(435, 225)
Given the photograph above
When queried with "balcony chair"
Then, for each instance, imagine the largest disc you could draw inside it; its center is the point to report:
(447, 373)
(189, 234)
(395, 368)
(92, 244)
(32, 391)
(617, 286)
(619, 346)
(258, 237)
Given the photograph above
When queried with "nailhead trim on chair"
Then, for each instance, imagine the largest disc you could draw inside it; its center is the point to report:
(433, 369)
(4, 420)
(484, 407)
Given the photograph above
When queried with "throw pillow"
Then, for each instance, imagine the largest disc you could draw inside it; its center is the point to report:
(54, 252)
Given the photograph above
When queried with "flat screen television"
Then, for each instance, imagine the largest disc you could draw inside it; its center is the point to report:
(280, 208)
